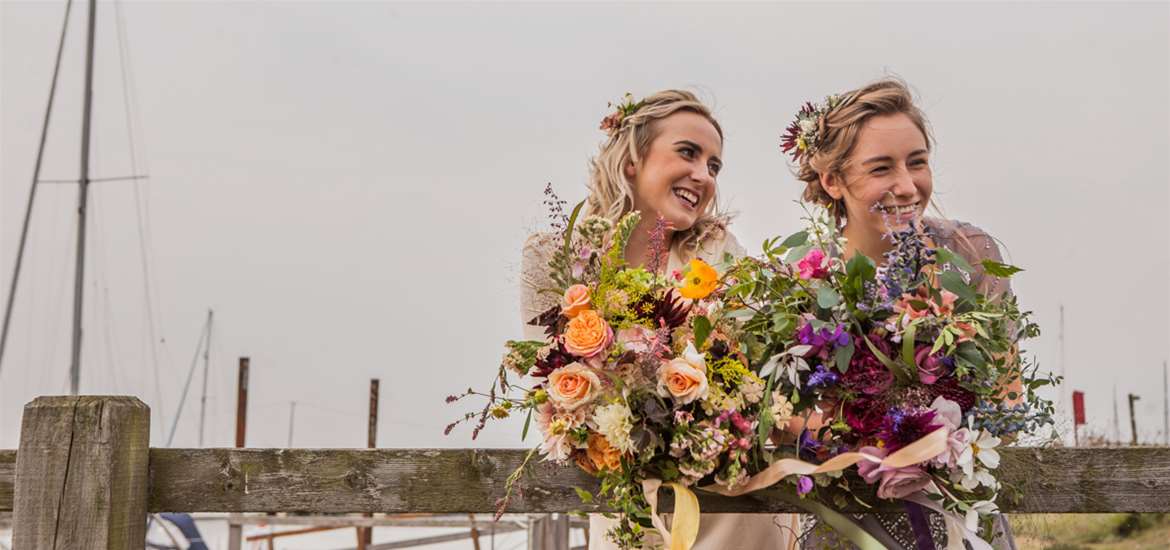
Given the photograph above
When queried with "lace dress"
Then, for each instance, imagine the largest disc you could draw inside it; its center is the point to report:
(716, 531)
(894, 529)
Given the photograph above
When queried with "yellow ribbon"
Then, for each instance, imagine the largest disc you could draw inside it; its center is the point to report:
(686, 514)
(686, 508)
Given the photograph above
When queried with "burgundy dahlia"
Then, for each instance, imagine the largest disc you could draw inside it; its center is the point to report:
(866, 372)
(903, 427)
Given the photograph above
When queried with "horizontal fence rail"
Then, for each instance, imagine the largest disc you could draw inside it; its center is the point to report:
(84, 467)
(330, 481)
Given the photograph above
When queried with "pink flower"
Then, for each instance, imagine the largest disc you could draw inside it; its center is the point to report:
(894, 482)
(813, 266)
(931, 367)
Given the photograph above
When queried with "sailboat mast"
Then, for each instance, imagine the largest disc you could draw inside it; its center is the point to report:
(79, 266)
(206, 362)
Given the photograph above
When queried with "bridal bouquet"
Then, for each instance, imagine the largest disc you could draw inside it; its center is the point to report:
(642, 378)
(914, 374)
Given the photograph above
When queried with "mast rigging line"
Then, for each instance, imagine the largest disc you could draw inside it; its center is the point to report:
(145, 241)
(33, 187)
(204, 336)
(96, 180)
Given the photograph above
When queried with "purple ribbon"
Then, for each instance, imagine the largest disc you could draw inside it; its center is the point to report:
(921, 526)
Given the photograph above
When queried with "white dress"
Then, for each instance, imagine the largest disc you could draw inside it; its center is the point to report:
(716, 531)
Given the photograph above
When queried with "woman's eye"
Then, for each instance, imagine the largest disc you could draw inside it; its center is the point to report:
(918, 162)
(714, 167)
(687, 152)
(879, 170)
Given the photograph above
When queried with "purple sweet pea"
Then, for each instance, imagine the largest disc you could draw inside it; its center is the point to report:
(822, 377)
(821, 341)
(804, 485)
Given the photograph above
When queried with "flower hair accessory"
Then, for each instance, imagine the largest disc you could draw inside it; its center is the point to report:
(802, 136)
(613, 122)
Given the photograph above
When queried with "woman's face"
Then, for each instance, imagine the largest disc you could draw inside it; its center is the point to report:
(676, 177)
(887, 180)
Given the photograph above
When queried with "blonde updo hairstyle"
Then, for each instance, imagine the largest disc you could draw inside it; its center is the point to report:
(838, 132)
(611, 193)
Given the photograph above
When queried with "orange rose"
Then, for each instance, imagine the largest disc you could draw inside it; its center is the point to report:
(587, 334)
(603, 455)
(573, 385)
(575, 301)
(684, 378)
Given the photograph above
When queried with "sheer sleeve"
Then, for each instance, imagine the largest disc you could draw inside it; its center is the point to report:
(537, 290)
(983, 246)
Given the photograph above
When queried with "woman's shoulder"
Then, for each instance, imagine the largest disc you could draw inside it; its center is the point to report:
(974, 244)
(717, 242)
(968, 239)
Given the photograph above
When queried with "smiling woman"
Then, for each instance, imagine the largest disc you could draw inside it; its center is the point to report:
(662, 157)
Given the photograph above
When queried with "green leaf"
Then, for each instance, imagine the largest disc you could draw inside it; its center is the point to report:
(827, 297)
(843, 355)
(569, 229)
(796, 254)
(994, 268)
(953, 281)
(527, 422)
(889, 363)
(945, 256)
(584, 495)
(765, 428)
(795, 239)
(908, 347)
(860, 267)
(702, 327)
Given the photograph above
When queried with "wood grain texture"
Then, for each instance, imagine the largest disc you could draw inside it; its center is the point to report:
(463, 480)
(81, 474)
(468, 480)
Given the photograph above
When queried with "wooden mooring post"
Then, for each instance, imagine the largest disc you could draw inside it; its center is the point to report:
(82, 473)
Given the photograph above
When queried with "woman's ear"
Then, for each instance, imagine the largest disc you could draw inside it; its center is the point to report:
(832, 185)
(630, 170)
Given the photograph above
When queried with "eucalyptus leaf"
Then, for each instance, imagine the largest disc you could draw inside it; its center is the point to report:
(843, 355)
(827, 298)
(953, 281)
(796, 254)
(795, 239)
(945, 256)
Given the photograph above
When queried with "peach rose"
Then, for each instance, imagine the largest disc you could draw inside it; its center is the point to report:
(573, 385)
(603, 455)
(575, 301)
(684, 378)
(587, 334)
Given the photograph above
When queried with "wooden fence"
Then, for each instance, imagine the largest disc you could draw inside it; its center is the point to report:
(85, 477)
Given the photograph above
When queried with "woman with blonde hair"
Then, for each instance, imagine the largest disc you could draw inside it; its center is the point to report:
(662, 158)
(865, 156)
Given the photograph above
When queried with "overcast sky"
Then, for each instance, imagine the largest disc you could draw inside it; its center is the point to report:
(348, 184)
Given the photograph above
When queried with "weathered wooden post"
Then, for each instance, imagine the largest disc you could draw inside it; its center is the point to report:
(82, 473)
(548, 532)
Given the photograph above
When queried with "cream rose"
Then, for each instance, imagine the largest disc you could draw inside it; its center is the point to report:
(684, 378)
(573, 385)
(575, 301)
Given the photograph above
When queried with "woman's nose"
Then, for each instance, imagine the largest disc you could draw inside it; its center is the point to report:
(904, 183)
(702, 174)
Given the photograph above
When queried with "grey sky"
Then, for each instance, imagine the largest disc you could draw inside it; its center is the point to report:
(348, 184)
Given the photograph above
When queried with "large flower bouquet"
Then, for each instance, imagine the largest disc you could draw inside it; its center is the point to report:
(642, 377)
(905, 370)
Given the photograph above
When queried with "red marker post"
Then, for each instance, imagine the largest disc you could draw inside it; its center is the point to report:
(1078, 414)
